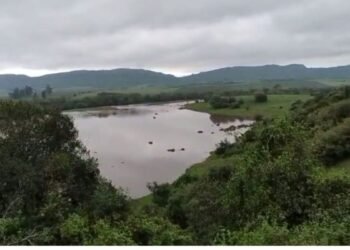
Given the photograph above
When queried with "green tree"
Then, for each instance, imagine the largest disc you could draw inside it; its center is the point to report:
(260, 97)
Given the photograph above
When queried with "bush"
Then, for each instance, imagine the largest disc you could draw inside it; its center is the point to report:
(334, 145)
(108, 202)
(264, 234)
(241, 101)
(260, 97)
(160, 193)
(220, 174)
(235, 105)
(258, 117)
(218, 102)
(226, 148)
(223, 147)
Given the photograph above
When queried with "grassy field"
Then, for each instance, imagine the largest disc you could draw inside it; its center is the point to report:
(140, 89)
(276, 106)
(334, 82)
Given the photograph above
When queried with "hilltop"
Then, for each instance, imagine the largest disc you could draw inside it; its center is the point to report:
(102, 79)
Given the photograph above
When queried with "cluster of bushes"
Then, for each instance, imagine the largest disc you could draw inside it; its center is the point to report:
(219, 102)
(226, 148)
(266, 193)
(28, 91)
(327, 116)
(17, 93)
(333, 145)
(222, 101)
(260, 97)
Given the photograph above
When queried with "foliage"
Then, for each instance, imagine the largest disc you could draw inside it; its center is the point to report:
(18, 93)
(51, 191)
(111, 98)
(260, 97)
(271, 195)
(160, 193)
(333, 145)
(156, 230)
(250, 109)
(218, 102)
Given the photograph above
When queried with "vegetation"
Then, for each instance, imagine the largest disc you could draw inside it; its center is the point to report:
(28, 92)
(46, 92)
(20, 93)
(277, 106)
(219, 102)
(51, 191)
(273, 187)
(285, 182)
(260, 97)
(110, 99)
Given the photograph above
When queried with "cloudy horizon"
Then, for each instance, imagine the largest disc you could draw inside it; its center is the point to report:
(177, 37)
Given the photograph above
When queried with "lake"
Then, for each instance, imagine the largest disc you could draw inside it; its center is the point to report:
(138, 144)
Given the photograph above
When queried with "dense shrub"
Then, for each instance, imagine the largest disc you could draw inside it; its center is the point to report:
(260, 97)
(333, 145)
(223, 147)
(218, 102)
(160, 193)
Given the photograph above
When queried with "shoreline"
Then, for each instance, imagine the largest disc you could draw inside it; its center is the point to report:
(137, 203)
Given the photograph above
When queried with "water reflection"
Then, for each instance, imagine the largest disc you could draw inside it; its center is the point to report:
(138, 144)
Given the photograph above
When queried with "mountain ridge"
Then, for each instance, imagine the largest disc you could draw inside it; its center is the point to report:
(109, 78)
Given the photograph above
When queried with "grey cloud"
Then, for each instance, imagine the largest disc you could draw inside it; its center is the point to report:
(178, 36)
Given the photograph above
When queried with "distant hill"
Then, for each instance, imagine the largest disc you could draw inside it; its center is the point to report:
(133, 77)
(89, 78)
(269, 72)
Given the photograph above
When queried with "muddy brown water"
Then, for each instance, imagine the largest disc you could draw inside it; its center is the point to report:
(138, 144)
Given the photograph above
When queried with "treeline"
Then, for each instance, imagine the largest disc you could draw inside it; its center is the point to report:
(109, 99)
(223, 101)
(18, 93)
(28, 92)
(217, 98)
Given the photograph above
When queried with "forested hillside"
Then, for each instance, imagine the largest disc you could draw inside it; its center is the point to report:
(286, 181)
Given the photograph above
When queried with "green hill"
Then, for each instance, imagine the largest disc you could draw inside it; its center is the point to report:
(290, 75)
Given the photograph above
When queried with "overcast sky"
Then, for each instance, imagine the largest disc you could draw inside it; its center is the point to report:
(173, 36)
